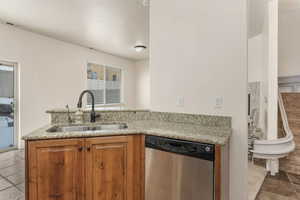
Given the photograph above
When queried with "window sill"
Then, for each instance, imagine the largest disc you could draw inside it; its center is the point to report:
(107, 107)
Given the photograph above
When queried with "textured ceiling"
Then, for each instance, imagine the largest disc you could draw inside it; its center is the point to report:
(112, 26)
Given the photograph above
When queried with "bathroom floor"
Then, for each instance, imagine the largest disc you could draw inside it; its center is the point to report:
(283, 186)
(12, 175)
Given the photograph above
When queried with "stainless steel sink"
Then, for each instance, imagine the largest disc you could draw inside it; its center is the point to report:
(85, 128)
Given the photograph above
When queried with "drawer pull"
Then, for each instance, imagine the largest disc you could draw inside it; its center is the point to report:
(102, 165)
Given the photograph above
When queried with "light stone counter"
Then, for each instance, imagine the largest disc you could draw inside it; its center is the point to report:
(184, 131)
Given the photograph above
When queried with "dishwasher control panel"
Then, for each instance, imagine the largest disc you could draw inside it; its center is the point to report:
(194, 149)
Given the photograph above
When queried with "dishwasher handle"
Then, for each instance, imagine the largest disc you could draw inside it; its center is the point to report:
(191, 149)
(174, 144)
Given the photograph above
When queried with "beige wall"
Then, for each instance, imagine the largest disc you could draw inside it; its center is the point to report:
(256, 73)
(289, 40)
(142, 84)
(270, 34)
(53, 73)
(255, 58)
(198, 53)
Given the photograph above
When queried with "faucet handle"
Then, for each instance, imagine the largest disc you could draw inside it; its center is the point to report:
(94, 116)
(79, 104)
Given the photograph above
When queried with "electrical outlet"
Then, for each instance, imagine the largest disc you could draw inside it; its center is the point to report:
(180, 102)
(219, 103)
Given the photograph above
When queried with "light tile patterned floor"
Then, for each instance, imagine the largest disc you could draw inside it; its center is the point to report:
(12, 175)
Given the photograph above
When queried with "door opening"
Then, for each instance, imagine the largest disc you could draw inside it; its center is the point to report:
(8, 131)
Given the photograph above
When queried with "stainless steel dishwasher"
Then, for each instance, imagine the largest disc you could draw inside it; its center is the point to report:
(179, 170)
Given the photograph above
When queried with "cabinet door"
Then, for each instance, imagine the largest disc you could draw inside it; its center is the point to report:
(109, 169)
(106, 168)
(55, 170)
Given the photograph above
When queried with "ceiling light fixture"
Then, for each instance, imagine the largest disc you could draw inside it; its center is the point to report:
(9, 23)
(139, 47)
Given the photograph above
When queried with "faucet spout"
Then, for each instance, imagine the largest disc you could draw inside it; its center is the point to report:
(79, 104)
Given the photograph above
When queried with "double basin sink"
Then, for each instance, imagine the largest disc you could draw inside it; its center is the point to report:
(87, 128)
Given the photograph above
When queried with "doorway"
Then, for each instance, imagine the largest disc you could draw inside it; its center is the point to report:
(8, 111)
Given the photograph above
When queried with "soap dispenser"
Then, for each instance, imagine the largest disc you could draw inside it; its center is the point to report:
(79, 116)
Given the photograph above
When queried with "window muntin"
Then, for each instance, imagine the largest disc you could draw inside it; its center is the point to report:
(112, 85)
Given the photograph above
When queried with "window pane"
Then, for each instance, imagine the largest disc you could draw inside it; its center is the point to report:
(95, 75)
(6, 81)
(113, 85)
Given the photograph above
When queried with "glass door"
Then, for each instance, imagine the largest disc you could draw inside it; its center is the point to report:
(7, 108)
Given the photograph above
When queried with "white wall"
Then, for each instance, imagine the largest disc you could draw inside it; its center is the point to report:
(142, 84)
(266, 45)
(255, 58)
(258, 54)
(270, 61)
(289, 40)
(273, 70)
(256, 68)
(256, 13)
(53, 73)
(263, 66)
(198, 52)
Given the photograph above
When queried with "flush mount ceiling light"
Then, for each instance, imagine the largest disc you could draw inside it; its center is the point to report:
(140, 47)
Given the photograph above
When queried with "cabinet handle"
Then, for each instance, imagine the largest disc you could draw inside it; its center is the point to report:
(80, 148)
(88, 149)
(102, 165)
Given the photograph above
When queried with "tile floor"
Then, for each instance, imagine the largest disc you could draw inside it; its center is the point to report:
(12, 175)
(256, 177)
(283, 186)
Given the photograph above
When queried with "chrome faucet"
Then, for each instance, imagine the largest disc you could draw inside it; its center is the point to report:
(79, 105)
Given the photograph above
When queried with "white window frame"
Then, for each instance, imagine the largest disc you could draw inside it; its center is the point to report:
(111, 105)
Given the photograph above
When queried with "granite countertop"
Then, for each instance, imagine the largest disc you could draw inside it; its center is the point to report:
(183, 131)
(73, 110)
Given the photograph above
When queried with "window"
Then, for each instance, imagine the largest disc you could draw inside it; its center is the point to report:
(105, 83)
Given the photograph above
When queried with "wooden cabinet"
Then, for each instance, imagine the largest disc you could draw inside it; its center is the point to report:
(55, 170)
(101, 168)
(107, 168)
